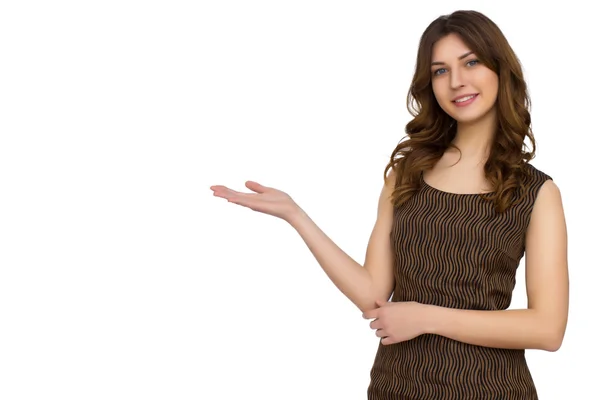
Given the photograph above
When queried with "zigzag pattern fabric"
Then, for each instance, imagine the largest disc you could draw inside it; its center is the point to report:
(453, 250)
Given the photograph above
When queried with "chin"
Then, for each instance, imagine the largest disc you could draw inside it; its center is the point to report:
(469, 117)
(461, 119)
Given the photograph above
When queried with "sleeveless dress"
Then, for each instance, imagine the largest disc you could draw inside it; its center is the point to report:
(453, 250)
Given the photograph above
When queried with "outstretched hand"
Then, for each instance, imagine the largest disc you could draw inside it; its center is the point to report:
(264, 199)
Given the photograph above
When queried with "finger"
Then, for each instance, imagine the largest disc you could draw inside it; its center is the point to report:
(370, 314)
(375, 324)
(219, 190)
(218, 187)
(230, 194)
(381, 333)
(256, 187)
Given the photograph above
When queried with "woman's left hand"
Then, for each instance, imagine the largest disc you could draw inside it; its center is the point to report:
(398, 321)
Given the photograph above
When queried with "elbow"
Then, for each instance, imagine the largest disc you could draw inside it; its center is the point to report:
(365, 307)
(369, 301)
(552, 347)
(366, 303)
(553, 342)
(551, 333)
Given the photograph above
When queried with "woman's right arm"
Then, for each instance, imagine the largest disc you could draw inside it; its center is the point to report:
(361, 285)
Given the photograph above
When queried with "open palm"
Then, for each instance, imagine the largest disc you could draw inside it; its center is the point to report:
(264, 199)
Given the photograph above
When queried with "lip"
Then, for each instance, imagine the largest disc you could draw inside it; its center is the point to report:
(466, 103)
(464, 95)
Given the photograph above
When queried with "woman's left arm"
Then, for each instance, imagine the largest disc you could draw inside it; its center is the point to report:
(543, 324)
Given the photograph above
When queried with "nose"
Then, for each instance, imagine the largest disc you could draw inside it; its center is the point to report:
(456, 79)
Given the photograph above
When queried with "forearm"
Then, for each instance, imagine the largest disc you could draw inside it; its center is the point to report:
(509, 329)
(346, 274)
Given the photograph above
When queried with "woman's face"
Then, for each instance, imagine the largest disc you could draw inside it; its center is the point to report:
(463, 86)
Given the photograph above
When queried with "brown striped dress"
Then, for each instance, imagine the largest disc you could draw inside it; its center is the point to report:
(453, 250)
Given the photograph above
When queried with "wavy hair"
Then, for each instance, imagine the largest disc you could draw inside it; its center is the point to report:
(431, 130)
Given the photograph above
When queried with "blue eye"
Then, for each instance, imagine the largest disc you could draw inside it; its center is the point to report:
(470, 63)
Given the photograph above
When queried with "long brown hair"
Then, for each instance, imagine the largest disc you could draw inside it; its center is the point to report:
(431, 130)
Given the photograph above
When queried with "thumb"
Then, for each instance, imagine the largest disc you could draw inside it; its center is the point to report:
(255, 186)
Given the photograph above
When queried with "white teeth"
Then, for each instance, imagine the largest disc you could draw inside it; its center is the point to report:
(464, 99)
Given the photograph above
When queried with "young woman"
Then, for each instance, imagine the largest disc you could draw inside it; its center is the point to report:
(460, 206)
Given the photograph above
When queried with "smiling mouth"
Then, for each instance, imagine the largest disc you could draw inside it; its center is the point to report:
(464, 99)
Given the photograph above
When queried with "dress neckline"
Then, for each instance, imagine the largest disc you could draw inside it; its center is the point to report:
(427, 185)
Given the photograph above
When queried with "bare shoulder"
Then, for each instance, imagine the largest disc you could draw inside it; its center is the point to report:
(549, 186)
(548, 211)
(549, 198)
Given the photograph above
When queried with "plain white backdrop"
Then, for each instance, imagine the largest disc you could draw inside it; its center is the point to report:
(122, 277)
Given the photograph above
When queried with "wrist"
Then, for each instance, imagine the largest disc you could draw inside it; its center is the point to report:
(297, 217)
(431, 318)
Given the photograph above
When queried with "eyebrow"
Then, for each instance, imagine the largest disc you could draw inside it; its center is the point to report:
(460, 58)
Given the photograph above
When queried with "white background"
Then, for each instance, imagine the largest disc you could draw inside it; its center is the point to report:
(122, 277)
